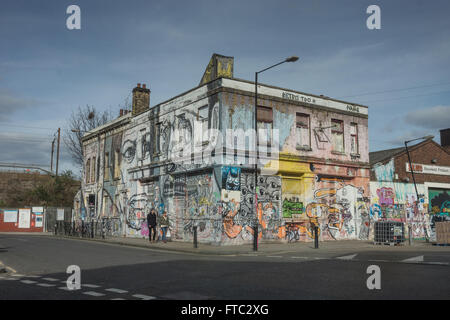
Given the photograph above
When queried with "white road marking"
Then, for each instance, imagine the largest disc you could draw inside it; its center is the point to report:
(94, 294)
(116, 290)
(90, 286)
(65, 288)
(118, 299)
(46, 285)
(438, 263)
(274, 256)
(50, 279)
(143, 297)
(414, 259)
(299, 257)
(27, 281)
(33, 277)
(18, 275)
(349, 257)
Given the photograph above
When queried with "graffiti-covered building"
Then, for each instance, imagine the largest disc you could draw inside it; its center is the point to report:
(194, 157)
(393, 195)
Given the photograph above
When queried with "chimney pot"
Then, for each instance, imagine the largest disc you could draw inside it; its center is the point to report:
(138, 85)
(144, 85)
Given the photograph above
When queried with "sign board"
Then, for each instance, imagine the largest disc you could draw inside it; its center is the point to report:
(24, 218)
(10, 216)
(39, 221)
(37, 209)
(428, 169)
(60, 215)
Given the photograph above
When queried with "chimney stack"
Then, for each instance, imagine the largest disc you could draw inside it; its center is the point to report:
(141, 99)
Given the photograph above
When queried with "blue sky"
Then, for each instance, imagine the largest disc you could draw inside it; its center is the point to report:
(401, 71)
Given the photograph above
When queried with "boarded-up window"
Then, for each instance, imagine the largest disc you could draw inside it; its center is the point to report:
(106, 166)
(203, 122)
(93, 169)
(354, 138)
(303, 131)
(157, 144)
(88, 170)
(116, 164)
(337, 134)
(265, 125)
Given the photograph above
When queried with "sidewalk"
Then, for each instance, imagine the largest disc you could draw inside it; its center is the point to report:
(325, 248)
(264, 248)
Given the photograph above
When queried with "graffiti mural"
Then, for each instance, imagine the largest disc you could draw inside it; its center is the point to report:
(231, 178)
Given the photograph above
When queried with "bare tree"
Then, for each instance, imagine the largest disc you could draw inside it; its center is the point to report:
(81, 121)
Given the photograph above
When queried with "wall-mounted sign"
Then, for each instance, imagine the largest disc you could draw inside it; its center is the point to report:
(60, 214)
(10, 216)
(39, 222)
(298, 97)
(37, 209)
(24, 218)
(428, 169)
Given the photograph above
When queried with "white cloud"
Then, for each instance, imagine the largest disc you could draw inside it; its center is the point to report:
(437, 117)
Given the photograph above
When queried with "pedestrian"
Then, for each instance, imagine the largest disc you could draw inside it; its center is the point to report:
(151, 222)
(164, 223)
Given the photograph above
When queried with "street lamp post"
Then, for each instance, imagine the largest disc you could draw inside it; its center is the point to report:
(414, 181)
(255, 230)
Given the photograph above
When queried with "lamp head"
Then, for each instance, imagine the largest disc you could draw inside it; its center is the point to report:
(291, 59)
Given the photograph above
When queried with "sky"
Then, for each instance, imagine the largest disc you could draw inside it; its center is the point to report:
(401, 71)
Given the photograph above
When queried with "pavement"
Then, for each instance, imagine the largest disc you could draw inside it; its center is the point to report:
(264, 247)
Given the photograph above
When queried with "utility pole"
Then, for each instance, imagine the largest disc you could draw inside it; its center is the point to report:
(57, 151)
(51, 161)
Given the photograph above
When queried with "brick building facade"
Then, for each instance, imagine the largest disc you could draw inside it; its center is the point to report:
(393, 195)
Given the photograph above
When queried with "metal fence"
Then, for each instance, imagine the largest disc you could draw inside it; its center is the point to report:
(51, 221)
(100, 228)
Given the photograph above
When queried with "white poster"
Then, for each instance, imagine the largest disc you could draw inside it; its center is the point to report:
(24, 218)
(10, 216)
(60, 215)
(37, 209)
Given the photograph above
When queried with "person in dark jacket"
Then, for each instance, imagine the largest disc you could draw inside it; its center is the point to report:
(151, 221)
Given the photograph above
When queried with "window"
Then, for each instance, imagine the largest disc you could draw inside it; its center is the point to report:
(303, 131)
(265, 122)
(88, 170)
(116, 164)
(203, 120)
(106, 166)
(337, 135)
(156, 143)
(93, 169)
(354, 138)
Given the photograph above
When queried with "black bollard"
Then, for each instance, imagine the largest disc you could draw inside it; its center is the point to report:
(316, 237)
(195, 237)
(92, 229)
(255, 238)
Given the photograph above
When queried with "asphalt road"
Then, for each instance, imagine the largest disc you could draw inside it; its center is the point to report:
(38, 271)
